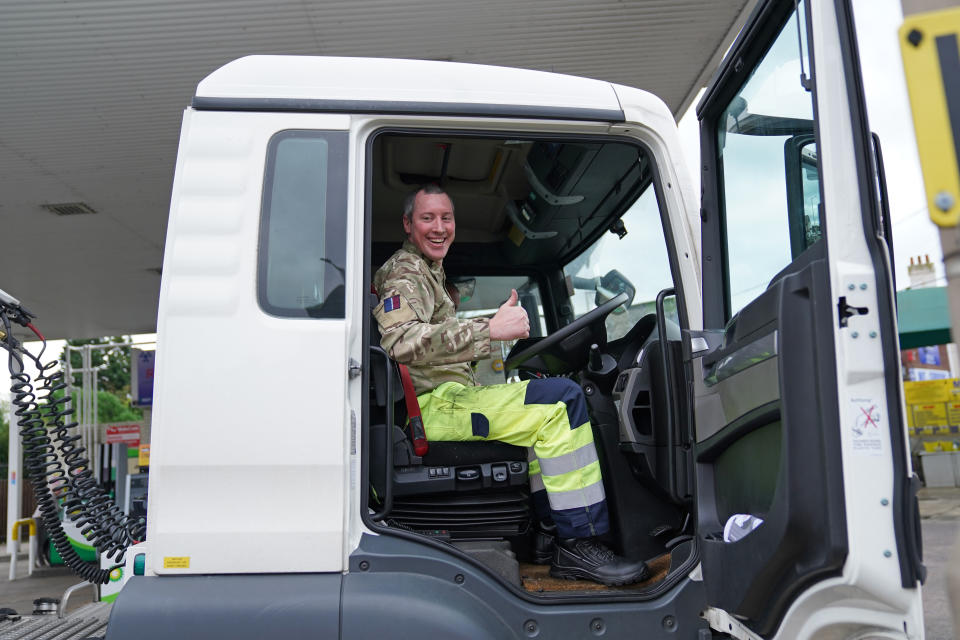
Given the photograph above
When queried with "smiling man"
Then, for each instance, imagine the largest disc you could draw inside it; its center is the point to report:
(419, 327)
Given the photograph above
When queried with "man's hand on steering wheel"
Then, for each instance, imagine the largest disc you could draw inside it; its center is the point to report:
(511, 321)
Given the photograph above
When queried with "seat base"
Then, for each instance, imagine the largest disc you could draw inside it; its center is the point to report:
(491, 515)
(451, 454)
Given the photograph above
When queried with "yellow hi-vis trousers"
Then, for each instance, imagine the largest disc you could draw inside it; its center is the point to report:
(547, 415)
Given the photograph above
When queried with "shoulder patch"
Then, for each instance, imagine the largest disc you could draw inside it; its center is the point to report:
(394, 310)
(391, 304)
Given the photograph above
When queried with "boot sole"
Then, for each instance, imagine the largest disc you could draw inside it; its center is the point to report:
(573, 573)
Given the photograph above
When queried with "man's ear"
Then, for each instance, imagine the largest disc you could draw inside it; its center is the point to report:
(407, 225)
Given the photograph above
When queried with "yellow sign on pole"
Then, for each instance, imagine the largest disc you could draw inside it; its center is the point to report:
(931, 63)
(144, 455)
(929, 415)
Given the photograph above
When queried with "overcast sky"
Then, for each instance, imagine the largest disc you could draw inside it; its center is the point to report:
(889, 112)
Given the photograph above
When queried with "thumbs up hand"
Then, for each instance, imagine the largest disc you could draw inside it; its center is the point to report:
(510, 321)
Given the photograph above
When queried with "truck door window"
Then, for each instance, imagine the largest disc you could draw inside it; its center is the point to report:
(301, 266)
(770, 178)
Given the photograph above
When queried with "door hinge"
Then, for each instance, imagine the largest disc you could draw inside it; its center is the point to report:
(723, 622)
(354, 368)
(845, 311)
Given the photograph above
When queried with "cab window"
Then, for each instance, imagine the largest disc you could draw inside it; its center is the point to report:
(302, 260)
(769, 168)
(633, 259)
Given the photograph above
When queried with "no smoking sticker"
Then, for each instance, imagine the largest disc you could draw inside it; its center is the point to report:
(867, 433)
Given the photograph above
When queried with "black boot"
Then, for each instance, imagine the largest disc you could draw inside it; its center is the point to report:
(543, 543)
(590, 559)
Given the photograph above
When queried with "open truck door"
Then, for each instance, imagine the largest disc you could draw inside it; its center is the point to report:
(796, 376)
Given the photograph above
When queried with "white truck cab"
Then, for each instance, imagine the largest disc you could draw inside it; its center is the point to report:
(750, 369)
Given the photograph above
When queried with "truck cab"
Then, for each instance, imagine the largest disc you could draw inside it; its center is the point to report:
(737, 349)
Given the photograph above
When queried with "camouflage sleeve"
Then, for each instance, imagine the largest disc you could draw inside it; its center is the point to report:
(409, 337)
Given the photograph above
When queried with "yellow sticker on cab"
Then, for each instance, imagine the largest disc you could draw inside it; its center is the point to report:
(176, 562)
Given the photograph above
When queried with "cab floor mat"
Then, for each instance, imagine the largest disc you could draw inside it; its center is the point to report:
(537, 579)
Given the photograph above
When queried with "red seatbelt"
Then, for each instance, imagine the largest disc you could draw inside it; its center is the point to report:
(417, 432)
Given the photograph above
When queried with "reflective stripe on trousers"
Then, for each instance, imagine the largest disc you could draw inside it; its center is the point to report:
(547, 415)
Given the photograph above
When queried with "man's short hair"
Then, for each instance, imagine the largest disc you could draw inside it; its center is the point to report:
(429, 189)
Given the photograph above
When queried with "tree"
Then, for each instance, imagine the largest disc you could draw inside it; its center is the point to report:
(111, 408)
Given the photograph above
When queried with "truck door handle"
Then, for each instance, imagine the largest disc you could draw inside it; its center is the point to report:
(845, 311)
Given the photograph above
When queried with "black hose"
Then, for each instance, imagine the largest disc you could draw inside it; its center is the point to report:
(48, 445)
(102, 522)
(45, 474)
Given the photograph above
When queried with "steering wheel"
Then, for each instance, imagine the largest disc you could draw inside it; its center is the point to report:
(594, 315)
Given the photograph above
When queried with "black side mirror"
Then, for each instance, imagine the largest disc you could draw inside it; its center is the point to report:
(613, 284)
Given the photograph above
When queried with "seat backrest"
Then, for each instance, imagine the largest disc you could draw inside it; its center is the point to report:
(378, 374)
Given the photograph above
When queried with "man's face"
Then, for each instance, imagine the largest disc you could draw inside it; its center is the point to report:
(431, 225)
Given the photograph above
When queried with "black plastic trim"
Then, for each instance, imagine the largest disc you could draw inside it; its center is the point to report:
(742, 54)
(792, 161)
(948, 55)
(712, 236)
(388, 432)
(886, 222)
(668, 391)
(709, 449)
(401, 107)
(239, 607)
(910, 570)
(402, 583)
(804, 537)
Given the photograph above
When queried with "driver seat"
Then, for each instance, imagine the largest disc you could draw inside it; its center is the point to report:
(475, 490)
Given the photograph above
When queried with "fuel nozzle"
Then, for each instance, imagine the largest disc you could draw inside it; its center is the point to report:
(14, 310)
(7, 299)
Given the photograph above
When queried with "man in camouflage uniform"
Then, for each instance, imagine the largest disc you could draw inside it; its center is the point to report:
(417, 319)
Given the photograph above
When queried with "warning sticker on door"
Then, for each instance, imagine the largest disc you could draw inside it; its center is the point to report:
(176, 562)
(868, 435)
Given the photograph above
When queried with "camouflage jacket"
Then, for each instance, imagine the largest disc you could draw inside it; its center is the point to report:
(418, 323)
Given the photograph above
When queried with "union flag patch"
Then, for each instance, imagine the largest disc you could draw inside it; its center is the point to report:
(391, 304)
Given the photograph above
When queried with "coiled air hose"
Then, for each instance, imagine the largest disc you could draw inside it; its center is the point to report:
(48, 446)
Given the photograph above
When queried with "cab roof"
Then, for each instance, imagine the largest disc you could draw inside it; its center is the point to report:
(385, 85)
